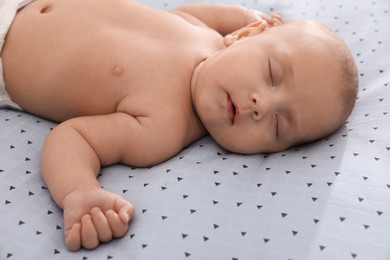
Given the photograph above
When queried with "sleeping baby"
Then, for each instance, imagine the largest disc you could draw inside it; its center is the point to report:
(134, 85)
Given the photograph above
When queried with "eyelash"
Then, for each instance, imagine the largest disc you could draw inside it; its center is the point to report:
(270, 72)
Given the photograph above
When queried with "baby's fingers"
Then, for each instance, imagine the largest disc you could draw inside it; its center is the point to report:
(124, 209)
(101, 224)
(118, 228)
(89, 236)
(73, 237)
(255, 15)
(277, 18)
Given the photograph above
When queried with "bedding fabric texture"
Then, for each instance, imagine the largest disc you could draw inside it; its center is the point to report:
(326, 200)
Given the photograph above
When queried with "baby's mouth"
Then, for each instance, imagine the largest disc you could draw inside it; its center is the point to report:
(231, 110)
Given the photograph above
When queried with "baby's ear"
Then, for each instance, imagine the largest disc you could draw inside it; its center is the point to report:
(250, 30)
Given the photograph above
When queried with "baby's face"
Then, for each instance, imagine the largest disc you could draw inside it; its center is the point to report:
(271, 91)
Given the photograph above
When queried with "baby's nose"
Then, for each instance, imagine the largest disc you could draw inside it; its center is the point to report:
(259, 107)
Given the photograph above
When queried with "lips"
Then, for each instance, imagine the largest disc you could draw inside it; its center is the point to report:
(231, 110)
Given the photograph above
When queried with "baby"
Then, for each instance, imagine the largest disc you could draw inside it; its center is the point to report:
(135, 85)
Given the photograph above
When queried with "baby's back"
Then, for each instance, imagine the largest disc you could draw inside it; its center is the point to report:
(90, 57)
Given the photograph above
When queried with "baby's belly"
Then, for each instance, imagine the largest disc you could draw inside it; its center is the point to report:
(60, 64)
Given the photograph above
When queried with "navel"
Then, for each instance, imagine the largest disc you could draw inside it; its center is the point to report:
(117, 71)
(45, 9)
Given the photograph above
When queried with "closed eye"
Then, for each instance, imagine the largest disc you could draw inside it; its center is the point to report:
(270, 72)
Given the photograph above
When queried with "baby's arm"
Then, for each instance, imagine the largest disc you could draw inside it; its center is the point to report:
(71, 159)
(226, 19)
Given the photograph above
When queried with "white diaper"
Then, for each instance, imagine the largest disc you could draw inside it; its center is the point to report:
(8, 9)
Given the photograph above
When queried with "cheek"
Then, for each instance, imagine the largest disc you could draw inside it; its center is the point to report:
(238, 140)
(252, 140)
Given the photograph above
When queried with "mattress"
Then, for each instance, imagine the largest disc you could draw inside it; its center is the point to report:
(326, 200)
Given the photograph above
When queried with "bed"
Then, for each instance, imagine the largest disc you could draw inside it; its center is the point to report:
(326, 200)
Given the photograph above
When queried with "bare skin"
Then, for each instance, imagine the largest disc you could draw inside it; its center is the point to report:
(104, 73)
(126, 81)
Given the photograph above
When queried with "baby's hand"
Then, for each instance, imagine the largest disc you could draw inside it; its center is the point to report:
(92, 216)
(257, 22)
(254, 16)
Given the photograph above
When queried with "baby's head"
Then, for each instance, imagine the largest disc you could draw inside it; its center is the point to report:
(268, 91)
